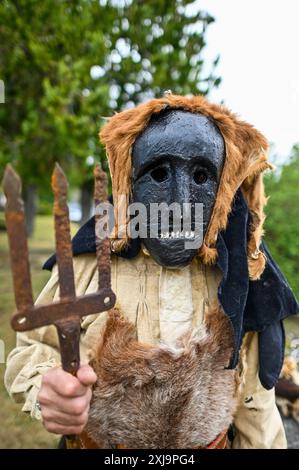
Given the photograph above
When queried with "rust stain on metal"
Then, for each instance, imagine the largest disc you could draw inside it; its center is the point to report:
(102, 243)
(63, 235)
(66, 313)
(16, 229)
(69, 340)
(101, 184)
(43, 315)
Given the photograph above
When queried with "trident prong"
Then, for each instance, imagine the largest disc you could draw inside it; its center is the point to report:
(16, 229)
(63, 235)
(66, 313)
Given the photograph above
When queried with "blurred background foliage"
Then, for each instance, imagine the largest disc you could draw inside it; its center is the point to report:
(282, 222)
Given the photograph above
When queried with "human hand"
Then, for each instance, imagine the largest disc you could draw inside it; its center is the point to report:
(65, 399)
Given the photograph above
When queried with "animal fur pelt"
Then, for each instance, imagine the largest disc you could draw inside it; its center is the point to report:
(157, 397)
(246, 159)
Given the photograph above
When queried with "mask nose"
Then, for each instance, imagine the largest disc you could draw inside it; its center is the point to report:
(182, 188)
(182, 195)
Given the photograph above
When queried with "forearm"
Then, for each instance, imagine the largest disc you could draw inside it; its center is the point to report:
(25, 366)
(257, 422)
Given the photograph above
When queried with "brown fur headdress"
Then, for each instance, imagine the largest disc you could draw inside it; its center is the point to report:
(245, 161)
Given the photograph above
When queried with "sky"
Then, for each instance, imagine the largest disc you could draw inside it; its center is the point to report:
(258, 43)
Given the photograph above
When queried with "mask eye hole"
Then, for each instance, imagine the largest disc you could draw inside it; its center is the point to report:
(159, 174)
(200, 176)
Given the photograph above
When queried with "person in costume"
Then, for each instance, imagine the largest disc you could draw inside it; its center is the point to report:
(169, 299)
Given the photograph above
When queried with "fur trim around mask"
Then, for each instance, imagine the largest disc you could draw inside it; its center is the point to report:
(154, 396)
(245, 160)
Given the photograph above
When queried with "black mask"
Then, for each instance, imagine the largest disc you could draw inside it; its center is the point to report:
(178, 158)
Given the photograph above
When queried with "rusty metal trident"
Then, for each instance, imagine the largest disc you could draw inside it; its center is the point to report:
(66, 313)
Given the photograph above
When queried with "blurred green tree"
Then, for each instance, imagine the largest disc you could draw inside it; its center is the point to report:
(282, 222)
(67, 64)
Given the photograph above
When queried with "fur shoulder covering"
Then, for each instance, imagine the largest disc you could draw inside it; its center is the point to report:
(159, 397)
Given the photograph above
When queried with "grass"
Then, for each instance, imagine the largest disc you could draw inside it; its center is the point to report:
(18, 430)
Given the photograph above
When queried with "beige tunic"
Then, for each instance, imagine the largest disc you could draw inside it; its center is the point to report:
(163, 304)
